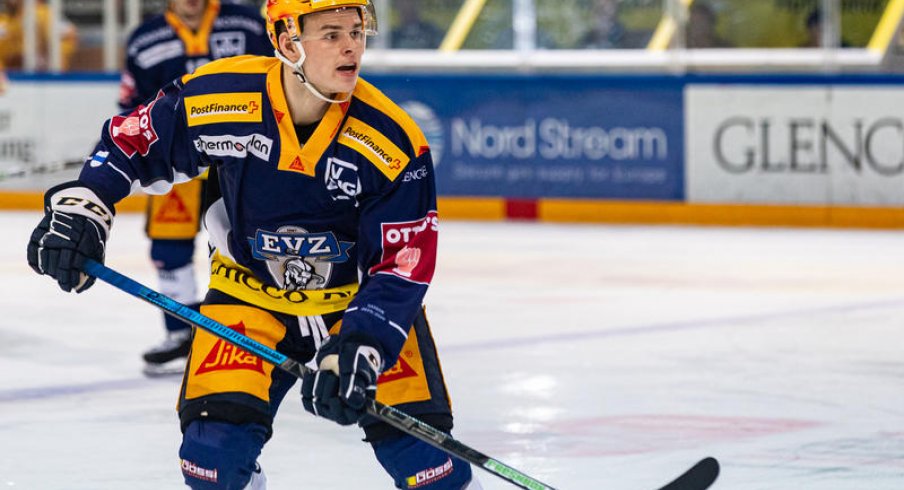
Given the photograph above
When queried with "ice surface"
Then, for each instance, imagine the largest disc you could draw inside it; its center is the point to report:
(589, 357)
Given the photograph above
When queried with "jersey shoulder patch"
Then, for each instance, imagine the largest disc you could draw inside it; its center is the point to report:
(373, 97)
(370, 139)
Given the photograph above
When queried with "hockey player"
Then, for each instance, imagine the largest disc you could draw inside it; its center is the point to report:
(324, 243)
(189, 34)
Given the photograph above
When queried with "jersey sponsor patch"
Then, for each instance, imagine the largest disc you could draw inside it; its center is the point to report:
(173, 210)
(430, 475)
(400, 370)
(229, 145)
(409, 249)
(134, 133)
(227, 357)
(235, 107)
(286, 243)
(342, 180)
(375, 146)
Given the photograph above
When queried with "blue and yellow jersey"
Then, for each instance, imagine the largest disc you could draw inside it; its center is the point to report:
(163, 48)
(296, 222)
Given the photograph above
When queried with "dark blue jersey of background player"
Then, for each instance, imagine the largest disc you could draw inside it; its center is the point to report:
(164, 47)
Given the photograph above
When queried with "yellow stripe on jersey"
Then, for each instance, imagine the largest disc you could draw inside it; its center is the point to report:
(231, 107)
(294, 157)
(383, 153)
(247, 63)
(372, 96)
(240, 283)
(197, 42)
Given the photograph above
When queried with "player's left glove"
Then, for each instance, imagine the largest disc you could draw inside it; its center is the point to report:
(75, 227)
(347, 377)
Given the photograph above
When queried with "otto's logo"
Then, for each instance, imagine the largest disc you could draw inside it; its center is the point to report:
(134, 133)
(235, 146)
(409, 249)
(404, 233)
(223, 108)
(129, 127)
(227, 357)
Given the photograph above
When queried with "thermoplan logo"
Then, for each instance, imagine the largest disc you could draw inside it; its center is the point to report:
(430, 124)
(235, 146)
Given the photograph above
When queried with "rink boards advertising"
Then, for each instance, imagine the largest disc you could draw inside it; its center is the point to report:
(808, 150)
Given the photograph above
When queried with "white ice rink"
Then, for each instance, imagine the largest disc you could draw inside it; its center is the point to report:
(590, 357)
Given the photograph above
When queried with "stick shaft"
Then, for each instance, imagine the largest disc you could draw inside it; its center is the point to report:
(385, 413)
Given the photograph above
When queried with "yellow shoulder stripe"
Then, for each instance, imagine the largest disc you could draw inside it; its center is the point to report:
(376, 147)
(235, 64)
(371, 96)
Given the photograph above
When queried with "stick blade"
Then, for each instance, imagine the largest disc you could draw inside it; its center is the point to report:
(699, 477)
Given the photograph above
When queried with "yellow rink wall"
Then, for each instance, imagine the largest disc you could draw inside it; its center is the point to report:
(595, 211)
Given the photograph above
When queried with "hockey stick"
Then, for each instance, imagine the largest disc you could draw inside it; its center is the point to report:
(699, 477)
(44, 169)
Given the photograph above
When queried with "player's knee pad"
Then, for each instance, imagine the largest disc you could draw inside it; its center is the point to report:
(172, 254)
(219, 455)
(413, 463)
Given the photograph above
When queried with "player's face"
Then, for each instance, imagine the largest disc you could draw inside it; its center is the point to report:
(334, 42)
(188, 9)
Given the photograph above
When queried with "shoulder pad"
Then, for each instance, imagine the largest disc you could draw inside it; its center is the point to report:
(370, 95)
(235, 64)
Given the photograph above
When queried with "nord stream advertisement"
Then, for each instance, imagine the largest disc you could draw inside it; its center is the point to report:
(542, 137)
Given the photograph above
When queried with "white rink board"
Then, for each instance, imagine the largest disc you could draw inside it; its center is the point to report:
(47, 123)
(841, 145)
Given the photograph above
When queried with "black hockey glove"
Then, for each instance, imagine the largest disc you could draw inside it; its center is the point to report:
(346, 379)
(75, 227)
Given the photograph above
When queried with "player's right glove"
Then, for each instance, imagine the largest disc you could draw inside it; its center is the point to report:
(75, 227)
(347, 377)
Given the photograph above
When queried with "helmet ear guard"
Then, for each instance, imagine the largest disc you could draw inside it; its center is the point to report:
(289, 13)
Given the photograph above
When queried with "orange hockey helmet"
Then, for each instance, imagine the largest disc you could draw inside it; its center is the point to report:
(291, 11)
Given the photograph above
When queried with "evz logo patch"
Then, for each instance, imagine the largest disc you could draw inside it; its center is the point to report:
(342, 180)
(297, 259)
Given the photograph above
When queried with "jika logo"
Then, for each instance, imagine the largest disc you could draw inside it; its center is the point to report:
(400, 370)
(227, 357)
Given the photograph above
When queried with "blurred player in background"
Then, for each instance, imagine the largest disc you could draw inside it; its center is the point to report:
(323, 244)
(12, 36)
(189, 34)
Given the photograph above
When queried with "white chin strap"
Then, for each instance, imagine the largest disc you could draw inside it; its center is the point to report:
(299, 73)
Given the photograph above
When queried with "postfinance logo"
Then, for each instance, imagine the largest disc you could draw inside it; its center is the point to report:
(235, 107)
(376, 147)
